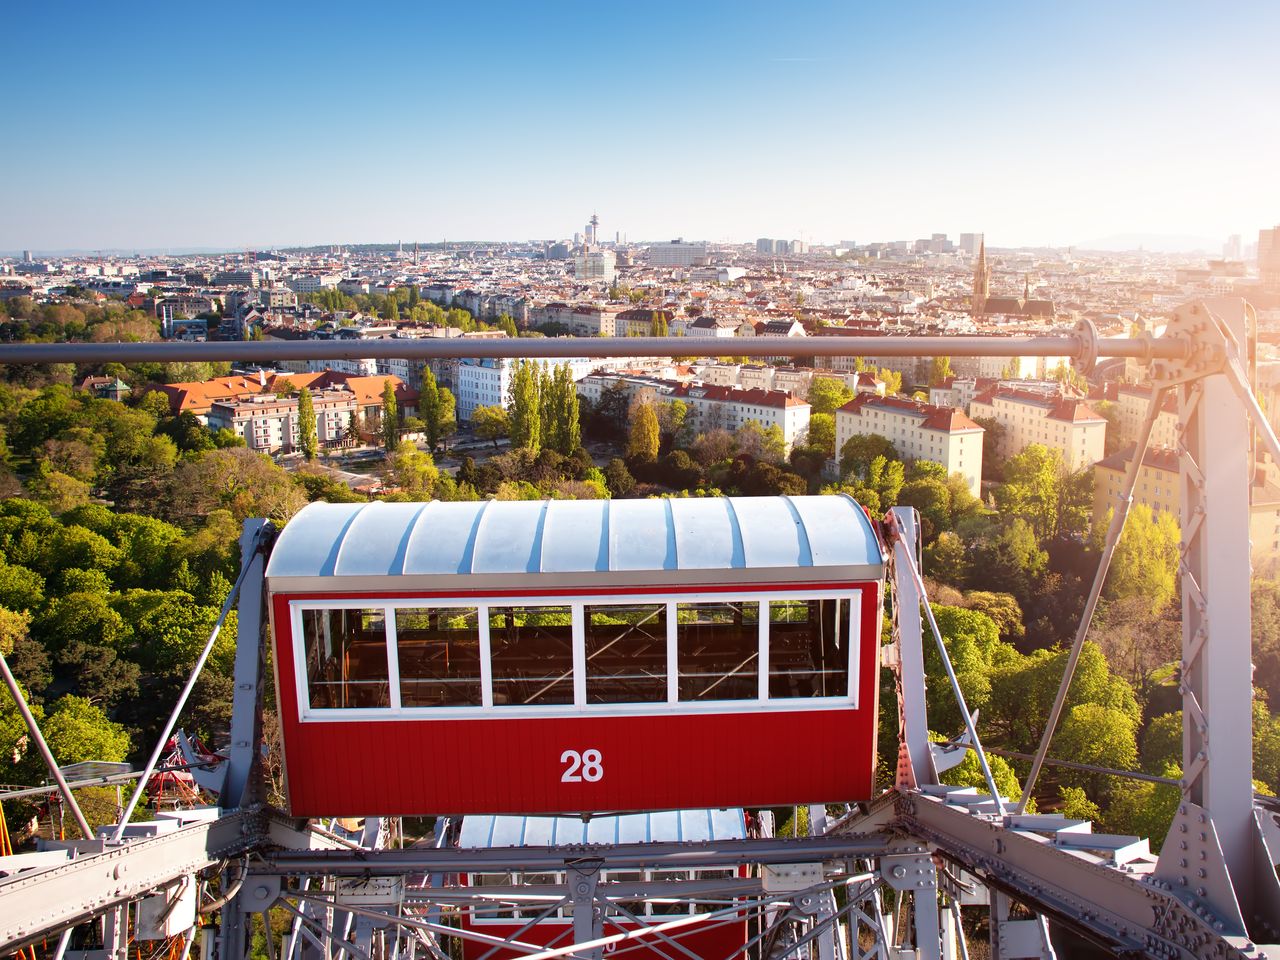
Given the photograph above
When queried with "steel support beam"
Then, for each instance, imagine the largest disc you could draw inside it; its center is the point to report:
(246, 701)
(629, 856)
(1207, 858)
(1107, 904)
(36, 903)
(915, 763)
(1076, 346)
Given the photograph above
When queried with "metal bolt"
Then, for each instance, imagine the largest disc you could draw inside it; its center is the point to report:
(898, 872)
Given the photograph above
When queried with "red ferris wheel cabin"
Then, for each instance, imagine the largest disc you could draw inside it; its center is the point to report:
(576, 656)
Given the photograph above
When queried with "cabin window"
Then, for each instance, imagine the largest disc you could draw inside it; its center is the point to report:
(346, 653)
(673, 905)
(494, 910)
(626, 653)
(808, 648)
(439, 649)
(718, 650)
(531, 651)
(624, 908)
(710, 905)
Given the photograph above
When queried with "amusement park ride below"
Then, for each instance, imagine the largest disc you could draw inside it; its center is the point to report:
(566, 684)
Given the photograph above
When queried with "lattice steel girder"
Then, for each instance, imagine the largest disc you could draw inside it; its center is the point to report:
(669, 856)
(45, 901)
(610, 890)
(1100, 901)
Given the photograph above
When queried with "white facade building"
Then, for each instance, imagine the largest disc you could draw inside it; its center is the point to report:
(269, 423)
(1067, 425)
(596, 265)
(711, 407)
(918, 431)
(486, 382)
(678, 253)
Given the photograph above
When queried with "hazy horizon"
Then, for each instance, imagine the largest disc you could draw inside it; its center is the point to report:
(827, 122)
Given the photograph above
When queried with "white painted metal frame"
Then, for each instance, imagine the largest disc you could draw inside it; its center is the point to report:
(396, 711)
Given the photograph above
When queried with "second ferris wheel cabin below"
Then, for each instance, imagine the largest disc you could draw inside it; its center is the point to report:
(573, 656)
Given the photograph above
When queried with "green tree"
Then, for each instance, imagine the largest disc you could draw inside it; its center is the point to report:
(508, 325)
(526, 407)
(619, 478)
(562, 428)
(822, 432)
(1008, 560)
(390, 417)
(78, 731)
(448, 415)
(413, 471)
(237, 480)
(308, 442)
(429, 407)
(643, 439)
(944, 559)
(993, 445)
(490, 423)
(861, 449)
(940, 370)
(892, 381)
(827, 395)
(1032, 489)
(1145, 564)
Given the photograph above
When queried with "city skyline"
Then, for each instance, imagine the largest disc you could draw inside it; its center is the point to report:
(1037, 127)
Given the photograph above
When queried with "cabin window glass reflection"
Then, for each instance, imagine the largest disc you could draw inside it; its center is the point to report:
(493, 909)
(718, 650)
(531, 652)
(439, 649)
(626, 653)
(808, 648)
(346, 653)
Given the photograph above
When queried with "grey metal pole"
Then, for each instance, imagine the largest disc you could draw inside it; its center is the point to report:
(265, 351)
(1114, 531)
(177, 707)
(43, 747)
(955, 683)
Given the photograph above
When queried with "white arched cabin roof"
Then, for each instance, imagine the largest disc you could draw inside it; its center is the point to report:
(544, 543)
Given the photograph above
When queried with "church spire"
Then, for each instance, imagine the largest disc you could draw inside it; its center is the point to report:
(981, 281)
(1026, 287)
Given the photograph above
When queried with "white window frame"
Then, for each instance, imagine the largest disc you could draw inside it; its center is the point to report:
(579, 708)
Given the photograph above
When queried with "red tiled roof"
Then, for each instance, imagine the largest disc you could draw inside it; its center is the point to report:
(1059, 408)
(945, 419)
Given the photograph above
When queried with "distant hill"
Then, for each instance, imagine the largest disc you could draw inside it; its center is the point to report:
(1153, 242)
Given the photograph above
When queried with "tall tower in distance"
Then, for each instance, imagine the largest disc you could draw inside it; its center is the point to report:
(1269, 259)
(593, 229)
(981, 281)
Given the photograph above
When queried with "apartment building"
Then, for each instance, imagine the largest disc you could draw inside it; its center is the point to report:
(486, 381)
(1131, 404)
(711, 406)
(960, 391)
(1159, 486)
(918, 431)
(582, 319)
(706, 326)
(269, 423)
(1065, 424)
(678, 253)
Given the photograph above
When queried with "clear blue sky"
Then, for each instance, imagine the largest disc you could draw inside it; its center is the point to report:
(230, 124)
